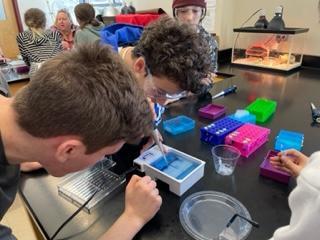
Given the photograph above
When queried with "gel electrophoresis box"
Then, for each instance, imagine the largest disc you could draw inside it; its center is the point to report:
(179, 170)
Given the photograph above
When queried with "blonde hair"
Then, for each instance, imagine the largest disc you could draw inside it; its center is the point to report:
(66, 12)
(35, 19)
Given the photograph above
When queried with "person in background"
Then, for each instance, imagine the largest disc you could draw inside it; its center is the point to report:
(4, 87)
(192, 12)
(304, 200)
(90, 27)
(3, 59)
(169, 60)
(99, 18)
(66, 28)
(75, 116)
(36, 44)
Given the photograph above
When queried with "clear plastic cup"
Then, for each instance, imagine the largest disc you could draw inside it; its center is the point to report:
(225, 159)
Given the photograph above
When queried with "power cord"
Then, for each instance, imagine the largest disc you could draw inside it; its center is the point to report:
(248, 19)
(251, 16)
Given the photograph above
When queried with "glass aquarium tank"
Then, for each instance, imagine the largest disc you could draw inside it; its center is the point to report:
(266, 48)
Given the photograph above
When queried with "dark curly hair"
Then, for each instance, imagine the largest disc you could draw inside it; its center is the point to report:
(174, 50)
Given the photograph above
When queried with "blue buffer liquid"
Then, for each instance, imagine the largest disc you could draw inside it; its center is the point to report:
(175, 166)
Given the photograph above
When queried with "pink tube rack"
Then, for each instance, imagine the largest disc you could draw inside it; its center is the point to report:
(248, 138)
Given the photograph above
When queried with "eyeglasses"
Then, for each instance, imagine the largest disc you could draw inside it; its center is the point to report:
(157, 93)
(186, 10)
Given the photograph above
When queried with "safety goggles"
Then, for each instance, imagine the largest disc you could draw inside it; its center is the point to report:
(183, 11)
(157, 93)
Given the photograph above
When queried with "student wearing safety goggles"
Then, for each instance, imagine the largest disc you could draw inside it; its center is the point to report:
(192, 12)
(169, 61)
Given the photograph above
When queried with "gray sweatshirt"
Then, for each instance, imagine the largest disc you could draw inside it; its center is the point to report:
(88, 34)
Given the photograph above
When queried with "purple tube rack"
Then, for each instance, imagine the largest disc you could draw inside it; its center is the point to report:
(216, 132)
(267, 170)
(22, 69)
(248, 138)
(212, 111)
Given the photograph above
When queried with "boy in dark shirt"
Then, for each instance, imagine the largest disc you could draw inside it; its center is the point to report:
(75, 116)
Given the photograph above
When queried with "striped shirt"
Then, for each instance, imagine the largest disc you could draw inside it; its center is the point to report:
(39, 48)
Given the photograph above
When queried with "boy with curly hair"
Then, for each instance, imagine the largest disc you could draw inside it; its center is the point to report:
(169, 61)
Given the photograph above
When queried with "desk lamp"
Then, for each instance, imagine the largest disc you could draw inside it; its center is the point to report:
(262, 22)
(277, 22)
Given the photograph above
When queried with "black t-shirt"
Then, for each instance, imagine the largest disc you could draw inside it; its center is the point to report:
(9, 180)
(9, 177)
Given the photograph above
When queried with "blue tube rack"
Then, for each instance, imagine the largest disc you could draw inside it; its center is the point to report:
(216, 132)
(289, 139)
(179, 124)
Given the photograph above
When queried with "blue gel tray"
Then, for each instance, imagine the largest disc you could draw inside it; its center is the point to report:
(176, 166)
(178, 125)
(289, 139)
(216, 132)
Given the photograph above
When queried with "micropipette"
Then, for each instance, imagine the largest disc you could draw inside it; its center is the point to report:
(155, 136)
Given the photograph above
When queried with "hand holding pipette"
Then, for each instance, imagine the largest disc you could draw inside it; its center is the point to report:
(291, 161)
(156, 138)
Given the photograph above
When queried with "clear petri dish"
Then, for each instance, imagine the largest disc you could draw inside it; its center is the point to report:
(204, 215)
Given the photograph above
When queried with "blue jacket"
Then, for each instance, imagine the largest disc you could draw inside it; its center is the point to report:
(120, 34)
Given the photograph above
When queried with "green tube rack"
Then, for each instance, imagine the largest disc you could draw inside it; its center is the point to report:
(262, 108)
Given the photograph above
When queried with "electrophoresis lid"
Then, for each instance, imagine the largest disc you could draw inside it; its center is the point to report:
(204, 215)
